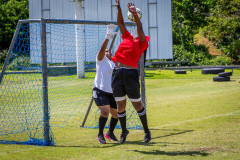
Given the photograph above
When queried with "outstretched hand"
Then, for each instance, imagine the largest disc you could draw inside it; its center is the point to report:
(132, 8)
(111, 30)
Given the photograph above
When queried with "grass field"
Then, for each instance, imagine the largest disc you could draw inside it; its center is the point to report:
(190, 117)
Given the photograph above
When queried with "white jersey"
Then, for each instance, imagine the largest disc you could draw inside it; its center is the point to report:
(103, 78)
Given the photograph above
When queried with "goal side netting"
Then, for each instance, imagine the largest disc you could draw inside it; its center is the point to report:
(47, 79)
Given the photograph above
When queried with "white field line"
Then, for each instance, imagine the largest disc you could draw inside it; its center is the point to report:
(197, 119)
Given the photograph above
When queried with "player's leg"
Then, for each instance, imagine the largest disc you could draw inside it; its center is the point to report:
(104, 110)
(119, 94)
(103, 104)
(122, 118)
(143, 117)
(114, 119)
(133, 91)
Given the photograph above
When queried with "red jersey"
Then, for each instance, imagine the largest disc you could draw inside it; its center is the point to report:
(130, 50)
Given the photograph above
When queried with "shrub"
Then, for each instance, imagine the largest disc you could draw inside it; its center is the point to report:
(19, 62)
(3, 54)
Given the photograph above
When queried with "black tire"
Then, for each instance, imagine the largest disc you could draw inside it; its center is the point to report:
(180, 72)
(221, 79)
(212, 70)
(225, 74)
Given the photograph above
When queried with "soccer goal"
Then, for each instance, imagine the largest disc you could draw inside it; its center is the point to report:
(47, 79)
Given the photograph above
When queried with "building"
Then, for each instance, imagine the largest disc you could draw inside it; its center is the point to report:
(157, 20)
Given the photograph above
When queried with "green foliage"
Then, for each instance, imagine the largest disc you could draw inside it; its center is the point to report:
(220, 60)
(19, 62)
(3, 54)
(196, 55)
(192, 16)
(10, 12)
(224, 27)
(199, 55)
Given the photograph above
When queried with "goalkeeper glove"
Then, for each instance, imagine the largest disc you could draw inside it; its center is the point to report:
(111, 31)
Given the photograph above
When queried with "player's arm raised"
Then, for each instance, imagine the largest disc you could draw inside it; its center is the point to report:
(141, 34)
(120, 20)
(110, 32)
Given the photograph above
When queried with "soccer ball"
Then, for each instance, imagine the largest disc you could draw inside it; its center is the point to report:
(131, 17)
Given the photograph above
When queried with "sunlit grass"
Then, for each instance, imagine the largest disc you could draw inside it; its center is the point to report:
(190, 117)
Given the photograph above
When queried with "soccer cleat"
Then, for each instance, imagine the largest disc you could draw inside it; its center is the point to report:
(147, 137)
(101, 139)
(111, 136)
(124, 136)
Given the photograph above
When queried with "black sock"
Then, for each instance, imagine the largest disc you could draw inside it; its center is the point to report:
(122, 119)
(113, 123)
(102, 123)
(143, 117)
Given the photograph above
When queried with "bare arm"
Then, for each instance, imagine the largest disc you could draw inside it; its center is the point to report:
(101, 52)
(110, 32)
(120, 20)
(141, 34)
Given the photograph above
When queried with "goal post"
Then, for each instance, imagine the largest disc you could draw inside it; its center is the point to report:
(47, 79)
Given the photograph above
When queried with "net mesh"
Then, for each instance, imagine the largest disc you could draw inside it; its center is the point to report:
(71, 57)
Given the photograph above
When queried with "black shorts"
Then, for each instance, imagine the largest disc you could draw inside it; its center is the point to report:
(126, 82)
(102, 98)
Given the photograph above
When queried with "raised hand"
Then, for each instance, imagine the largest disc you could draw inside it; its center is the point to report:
(132, 8)
(111, 31)
(117, 3)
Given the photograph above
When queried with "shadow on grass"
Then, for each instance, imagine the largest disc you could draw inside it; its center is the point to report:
(138, 142)
(172, 153)
(173, 134)
(164, 144)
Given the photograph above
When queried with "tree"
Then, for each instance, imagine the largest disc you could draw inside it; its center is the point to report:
(192, 15)
(224, 27)
(10, 12)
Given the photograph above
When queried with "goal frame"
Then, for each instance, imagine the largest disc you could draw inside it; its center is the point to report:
(43, 71)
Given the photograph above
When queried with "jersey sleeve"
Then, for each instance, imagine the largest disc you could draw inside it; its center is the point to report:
(114, 59)
(101, 60)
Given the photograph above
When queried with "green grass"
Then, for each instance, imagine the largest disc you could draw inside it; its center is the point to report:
(190, 117)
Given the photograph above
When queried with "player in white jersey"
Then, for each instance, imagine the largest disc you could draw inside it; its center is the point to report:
(102, 90)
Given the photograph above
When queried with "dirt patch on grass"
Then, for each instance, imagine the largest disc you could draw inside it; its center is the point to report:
(204, 41)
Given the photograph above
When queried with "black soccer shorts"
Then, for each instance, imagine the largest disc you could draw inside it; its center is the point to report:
(102, 98)
(125, 82)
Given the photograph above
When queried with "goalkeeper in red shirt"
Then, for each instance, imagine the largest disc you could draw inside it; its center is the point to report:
(125, 79)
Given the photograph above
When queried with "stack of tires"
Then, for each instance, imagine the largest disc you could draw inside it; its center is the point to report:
(222, 77)
(212, 70)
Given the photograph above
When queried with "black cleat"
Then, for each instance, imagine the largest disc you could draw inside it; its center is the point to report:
(147, 137)
(111, 136)
(124, 136)
(101, 139)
